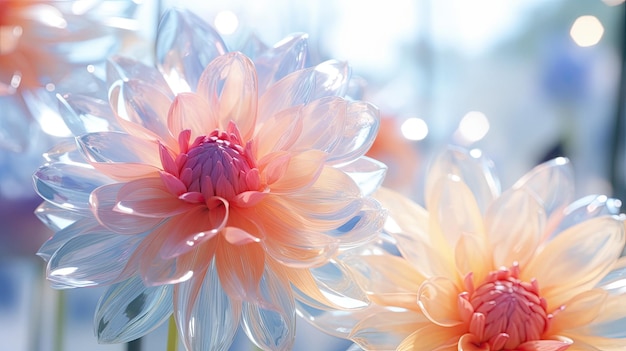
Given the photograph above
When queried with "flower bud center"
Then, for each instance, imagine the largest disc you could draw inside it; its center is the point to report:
(512, 311)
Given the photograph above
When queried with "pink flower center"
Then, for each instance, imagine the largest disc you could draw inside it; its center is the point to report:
(214, 165)
(505, 312)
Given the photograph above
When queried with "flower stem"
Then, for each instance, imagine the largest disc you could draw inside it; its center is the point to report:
(60, 321)
(172, 335)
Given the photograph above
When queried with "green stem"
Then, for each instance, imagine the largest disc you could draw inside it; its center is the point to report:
(172, 335)
(59, 323)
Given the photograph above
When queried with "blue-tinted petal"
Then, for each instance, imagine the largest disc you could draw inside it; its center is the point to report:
(117, 147)
(129, 310)
(586, 208)
(43, 105)
(185, 46)
(57, 218)
(367, 173)
(79, 227)
(67, 186)
(270, 323)
(90, 260)
(472, 167)
(85, 114)
(123, 68)
(206, 316)
(287, 56)
(65, 151)
(336, 283)
(363, 227)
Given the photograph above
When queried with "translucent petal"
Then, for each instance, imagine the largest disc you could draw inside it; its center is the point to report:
(385, 330)
(367, 173)
(433, 337)
(67, 186)
(142, 109)
(318, 125)
(85, 114)
(584, 342)
(60, 237)
(229, 84)
(148, 197)
(240, 268)
(610, 319)
(117, 147)
(615, 281)
(335, 281)
(408, 224)
(287, 56)
(552, 183)
(362, 227)
(301, 171)
(472, 168)
(252, 47)
(191, 111)
(358, 133)
(577, 259)
(454, 210)
(437, 298)
(472, 255)
(515, 224)
(301, 87)
(57, 218)
(65, 151)
(579, 311)
(388, 280)
(206, 316)
(104, 201)
(90, 260)
(586, 208)
(270, 321)
(184, 47)
(129, 310)
(124, 68)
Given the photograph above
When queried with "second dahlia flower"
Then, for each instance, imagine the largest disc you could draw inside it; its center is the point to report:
(528, 269)
(213, 187)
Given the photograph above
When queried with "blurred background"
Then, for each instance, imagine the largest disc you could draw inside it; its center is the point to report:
(522, 80)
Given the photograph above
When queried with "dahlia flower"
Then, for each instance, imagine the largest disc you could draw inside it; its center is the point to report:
(215, 187)
(526, 269)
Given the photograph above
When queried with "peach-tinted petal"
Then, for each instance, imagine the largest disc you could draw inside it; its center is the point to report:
(433, 338)
(595, 343)
(470, 342)
(438, 299)
(544, 345)
(103, 202)
(576, 259)
(389, 280)
(280, 132)
(240, 268)
(125, 172)
(581, 310)
(301, 171)
(229, 84)
(191, 112)
(148, 197)
(515, 223)
(237, 236)
(471, 255)
(610, 319)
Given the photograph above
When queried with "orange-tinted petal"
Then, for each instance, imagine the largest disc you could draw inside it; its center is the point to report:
(240, 268)
(579, 311)
(300, 170)
(433, 338)
(148, 197)
(438, 299)
(384, 330)
(192, 112)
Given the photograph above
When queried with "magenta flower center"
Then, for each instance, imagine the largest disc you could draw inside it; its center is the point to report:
(507, 312)
(218, 165)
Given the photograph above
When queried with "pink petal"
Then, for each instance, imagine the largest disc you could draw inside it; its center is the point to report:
(238, 236)
(150, 198)
(544, 345)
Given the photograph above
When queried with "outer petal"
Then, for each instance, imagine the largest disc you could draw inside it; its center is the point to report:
(206, 316)
(114, 147)
(79, 227)
(577, 259)
(579, 311)
(472, 168)
(366, 172)
(270, 321)
(57, 218)
(229, 84)
(124, 68)
(358, 133)
(185, 45)
(586, 208)
(129, 310)
(67, 186)
(287, 56)
(85, 114)
(148, 197)
(551, 182)
(103, 201)
(89, 260)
